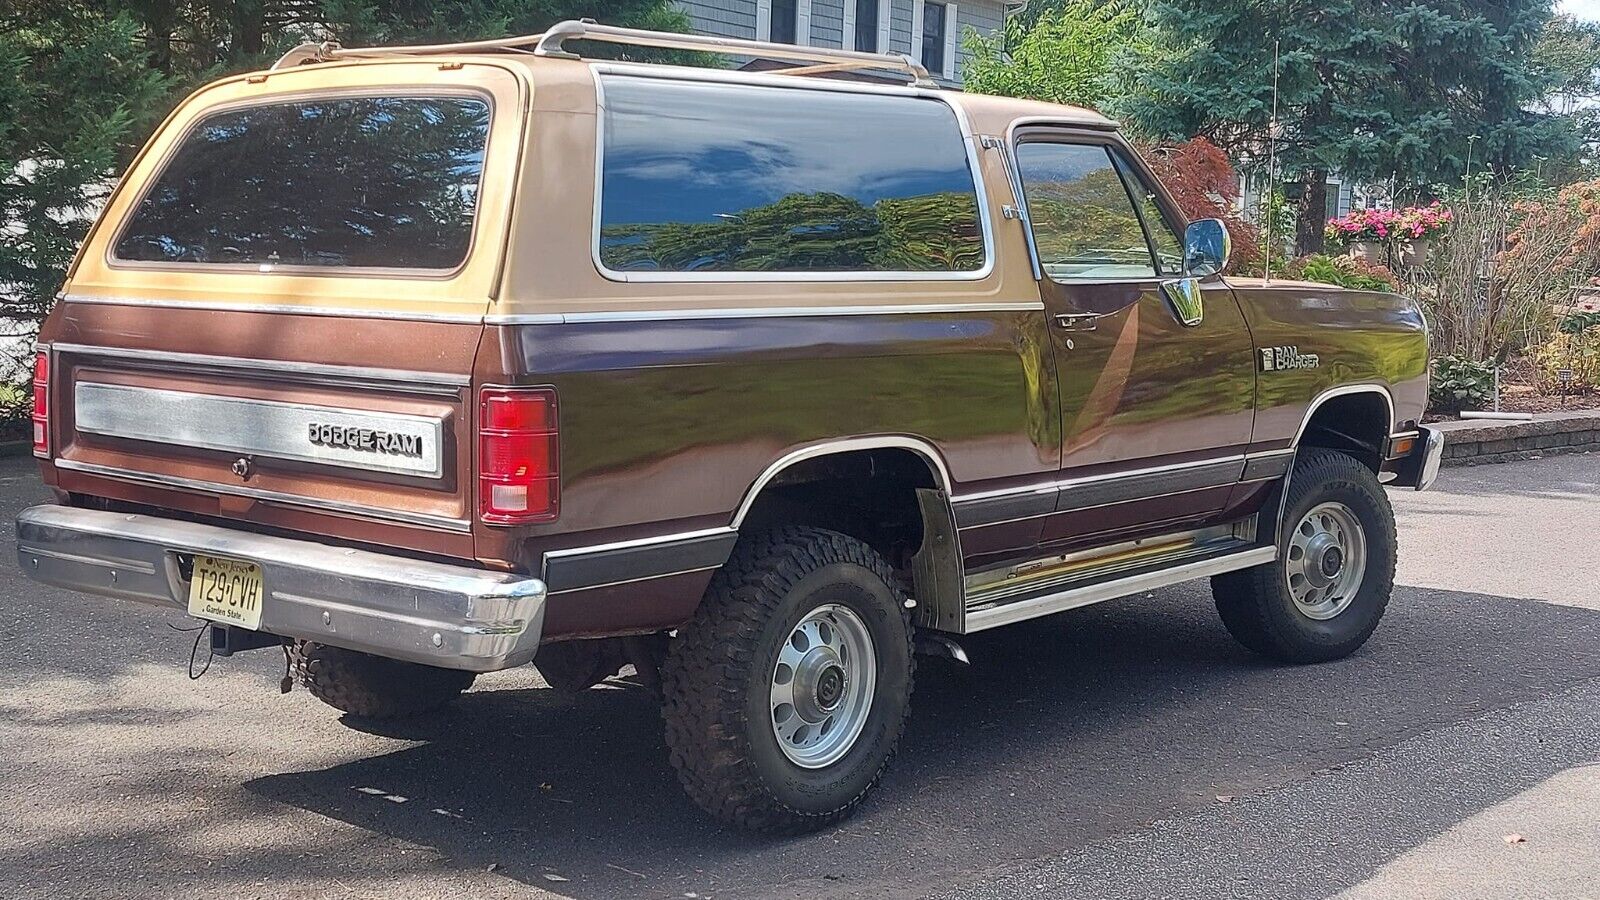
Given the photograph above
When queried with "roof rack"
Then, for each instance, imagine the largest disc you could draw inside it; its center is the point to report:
(550, 43)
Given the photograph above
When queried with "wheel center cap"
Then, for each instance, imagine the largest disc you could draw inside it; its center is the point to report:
(1332, 561)
(830, 687)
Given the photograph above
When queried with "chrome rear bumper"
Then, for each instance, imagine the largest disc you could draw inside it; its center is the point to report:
(455, 617)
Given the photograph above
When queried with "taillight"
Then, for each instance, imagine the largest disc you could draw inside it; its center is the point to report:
(41, 403)
(517, 449)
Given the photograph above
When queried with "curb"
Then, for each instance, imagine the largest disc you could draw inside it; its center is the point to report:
(1472, 442)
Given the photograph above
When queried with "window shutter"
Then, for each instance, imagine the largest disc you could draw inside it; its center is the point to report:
(916, 30)
(951, 30)
(763, 20)
(847, 35)
(802, 23)
(884, 9)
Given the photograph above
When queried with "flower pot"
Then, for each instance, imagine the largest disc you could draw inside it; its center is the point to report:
(1414, 252)
(1371, 251)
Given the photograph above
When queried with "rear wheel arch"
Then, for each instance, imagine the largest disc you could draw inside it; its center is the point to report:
(891, 492)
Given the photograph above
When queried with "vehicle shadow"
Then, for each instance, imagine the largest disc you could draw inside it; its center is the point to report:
(1061, 732)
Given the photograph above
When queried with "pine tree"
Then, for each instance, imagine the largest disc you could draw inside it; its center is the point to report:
(75, 92)
(1370, 89)
(83, 82)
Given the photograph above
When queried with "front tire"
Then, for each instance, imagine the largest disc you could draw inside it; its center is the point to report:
(786, 694)
(1324, 595)
(375, 687)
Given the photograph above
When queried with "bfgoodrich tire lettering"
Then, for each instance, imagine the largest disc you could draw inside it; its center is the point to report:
(1257, 604)
(718, 675)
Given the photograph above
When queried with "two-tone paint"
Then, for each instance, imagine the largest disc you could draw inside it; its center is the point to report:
(680, 398)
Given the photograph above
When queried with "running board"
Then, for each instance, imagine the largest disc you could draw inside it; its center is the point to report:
(993, 616)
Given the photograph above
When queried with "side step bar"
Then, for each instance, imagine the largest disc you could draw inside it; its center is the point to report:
(986, 617)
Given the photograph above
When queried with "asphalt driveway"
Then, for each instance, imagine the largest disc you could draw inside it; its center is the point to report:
(1082, 755)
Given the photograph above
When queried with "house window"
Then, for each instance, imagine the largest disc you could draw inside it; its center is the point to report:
(933, 30)
(866, 24)
(785, 13)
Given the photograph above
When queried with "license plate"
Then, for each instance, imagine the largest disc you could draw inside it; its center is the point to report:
(227, 591)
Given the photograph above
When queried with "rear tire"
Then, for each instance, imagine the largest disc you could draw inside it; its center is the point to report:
(786, 694)
(1313, 604)
(375, 687)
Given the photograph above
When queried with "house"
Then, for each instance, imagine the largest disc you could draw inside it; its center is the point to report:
(927, 30)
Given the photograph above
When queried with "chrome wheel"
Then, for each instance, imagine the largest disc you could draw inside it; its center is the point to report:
(1327, 560)
(822, 686)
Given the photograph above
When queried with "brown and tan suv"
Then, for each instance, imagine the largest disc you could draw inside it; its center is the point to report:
(441, 360)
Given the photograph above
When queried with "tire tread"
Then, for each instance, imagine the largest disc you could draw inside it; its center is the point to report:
(712, 657)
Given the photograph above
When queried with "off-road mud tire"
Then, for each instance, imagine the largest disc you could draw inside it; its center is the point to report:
(1256, 604)
(717, 677)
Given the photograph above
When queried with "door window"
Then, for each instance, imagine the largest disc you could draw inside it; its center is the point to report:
(1167, 244)
(1084, 221)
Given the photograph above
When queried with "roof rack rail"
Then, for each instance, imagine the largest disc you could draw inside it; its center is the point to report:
(550, 43)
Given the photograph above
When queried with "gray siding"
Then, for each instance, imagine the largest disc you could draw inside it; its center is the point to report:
(900, 26)
(827, 22)
(725, 18)
(983, 16)
(737, 18)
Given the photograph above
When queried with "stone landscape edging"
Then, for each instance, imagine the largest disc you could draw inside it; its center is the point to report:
(1469, 442)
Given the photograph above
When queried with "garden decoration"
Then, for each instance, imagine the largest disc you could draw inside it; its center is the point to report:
(1374, 234)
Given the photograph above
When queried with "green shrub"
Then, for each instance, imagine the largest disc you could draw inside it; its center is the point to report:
(1459, 383)
(1575, 346)
(1355, 274)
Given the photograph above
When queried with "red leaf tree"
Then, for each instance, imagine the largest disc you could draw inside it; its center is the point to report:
(1204, 184)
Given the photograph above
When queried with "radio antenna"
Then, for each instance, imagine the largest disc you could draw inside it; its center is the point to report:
(1272, 164)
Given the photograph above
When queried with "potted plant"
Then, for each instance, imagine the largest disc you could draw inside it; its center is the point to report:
(1366, 232)
(1417, 228)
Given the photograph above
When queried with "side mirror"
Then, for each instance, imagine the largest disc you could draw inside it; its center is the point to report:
(1206, 246)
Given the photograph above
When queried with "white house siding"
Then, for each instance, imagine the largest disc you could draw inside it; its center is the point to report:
(737, 18)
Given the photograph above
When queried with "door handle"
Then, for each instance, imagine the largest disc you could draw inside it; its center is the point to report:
(1077, 321)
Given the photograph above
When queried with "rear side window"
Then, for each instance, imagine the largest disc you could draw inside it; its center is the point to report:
(703, 177)
(380, 182)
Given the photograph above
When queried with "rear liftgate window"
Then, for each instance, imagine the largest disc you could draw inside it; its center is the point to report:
(708, 177)
(371, 182)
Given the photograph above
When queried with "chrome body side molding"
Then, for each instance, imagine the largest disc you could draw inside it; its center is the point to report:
(343, 312)
(1074, 597)
(929, 453)
(299, 371)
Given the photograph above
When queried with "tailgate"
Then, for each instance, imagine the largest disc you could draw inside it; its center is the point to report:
(277, 316)
(355, 428)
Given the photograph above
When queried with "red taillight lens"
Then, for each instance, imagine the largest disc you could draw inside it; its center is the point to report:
(517, 453)
(41, 404)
